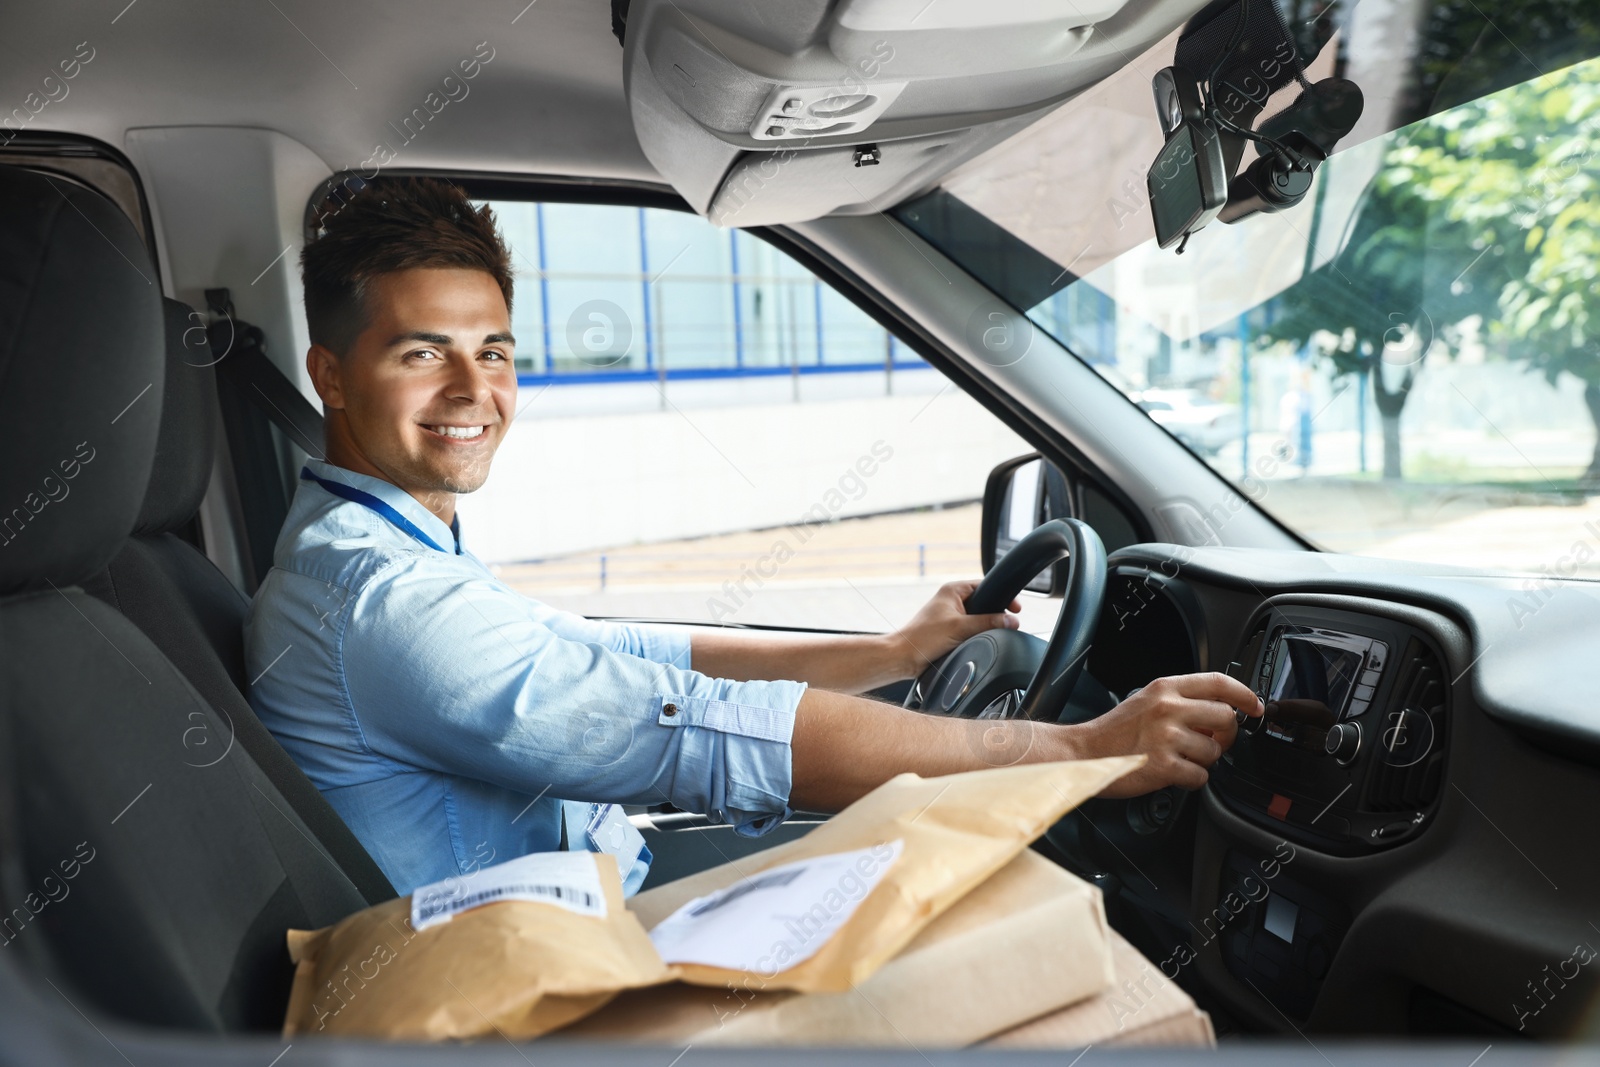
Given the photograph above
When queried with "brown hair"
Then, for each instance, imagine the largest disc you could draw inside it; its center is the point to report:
(399, 225)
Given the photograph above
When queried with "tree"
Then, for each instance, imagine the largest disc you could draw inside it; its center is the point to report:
(1484, 206)
(1376, 308)
(1516, 172)
(1490, 210)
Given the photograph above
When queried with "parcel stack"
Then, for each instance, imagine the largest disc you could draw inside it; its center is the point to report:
(917, 917)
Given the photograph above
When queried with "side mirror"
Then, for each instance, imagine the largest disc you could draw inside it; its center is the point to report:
(1021, 495)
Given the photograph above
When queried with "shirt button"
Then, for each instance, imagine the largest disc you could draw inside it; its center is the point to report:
(669, 710)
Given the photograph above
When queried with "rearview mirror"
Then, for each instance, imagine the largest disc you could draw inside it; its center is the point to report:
(1021, 495)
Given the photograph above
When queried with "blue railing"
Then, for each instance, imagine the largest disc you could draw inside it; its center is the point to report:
(705, 373)
(742, 309)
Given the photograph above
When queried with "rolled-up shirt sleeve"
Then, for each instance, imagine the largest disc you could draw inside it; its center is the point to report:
(469, 678)
(660, 643)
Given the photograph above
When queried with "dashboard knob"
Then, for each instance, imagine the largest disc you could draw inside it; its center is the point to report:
(1251, 723)
(1344, 741)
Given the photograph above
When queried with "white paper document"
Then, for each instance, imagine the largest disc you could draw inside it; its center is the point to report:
(774, 920)
(566, 879)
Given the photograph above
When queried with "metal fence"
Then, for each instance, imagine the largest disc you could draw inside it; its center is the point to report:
(627, 294)
(628, 567)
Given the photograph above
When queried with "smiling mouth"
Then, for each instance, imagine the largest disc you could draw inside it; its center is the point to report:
(457, 433)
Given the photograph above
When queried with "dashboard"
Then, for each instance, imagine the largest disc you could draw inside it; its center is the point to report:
(1350, 754)
(1397, 847)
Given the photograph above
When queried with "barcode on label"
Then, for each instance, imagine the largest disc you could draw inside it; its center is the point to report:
(567, 880)
(585, 900)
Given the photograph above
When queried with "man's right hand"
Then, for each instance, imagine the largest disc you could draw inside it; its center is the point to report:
(1183, 724)
(845, 746)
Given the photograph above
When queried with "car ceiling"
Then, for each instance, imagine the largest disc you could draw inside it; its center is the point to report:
(333, 76)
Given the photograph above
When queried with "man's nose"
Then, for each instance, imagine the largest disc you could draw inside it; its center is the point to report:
(469, 382)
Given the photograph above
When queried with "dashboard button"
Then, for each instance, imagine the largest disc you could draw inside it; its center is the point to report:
(1356, 708)
(1370, 677)
(1364, 692)
(1376, 654)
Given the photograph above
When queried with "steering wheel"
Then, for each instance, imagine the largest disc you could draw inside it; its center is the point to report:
(1008, 674)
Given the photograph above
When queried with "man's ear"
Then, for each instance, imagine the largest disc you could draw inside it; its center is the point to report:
(326, 375)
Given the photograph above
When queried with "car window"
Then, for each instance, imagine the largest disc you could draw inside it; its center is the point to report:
(708, 432)
(1405, 364)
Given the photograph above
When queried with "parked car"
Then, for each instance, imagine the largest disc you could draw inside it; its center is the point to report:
(1199, 422)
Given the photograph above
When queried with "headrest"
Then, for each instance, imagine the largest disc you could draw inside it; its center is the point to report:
(80, 379)
(187, 441)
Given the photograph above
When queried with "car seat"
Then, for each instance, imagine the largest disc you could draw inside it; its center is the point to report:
(133, 872)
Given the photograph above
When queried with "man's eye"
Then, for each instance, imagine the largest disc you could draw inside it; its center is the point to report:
(423, 353)
(496, 354)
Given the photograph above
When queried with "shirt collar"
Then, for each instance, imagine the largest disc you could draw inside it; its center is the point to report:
(397, 498)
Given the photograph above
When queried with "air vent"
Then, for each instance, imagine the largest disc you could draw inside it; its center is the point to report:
(1244, 661)
(1408, 753)
(1144, 632)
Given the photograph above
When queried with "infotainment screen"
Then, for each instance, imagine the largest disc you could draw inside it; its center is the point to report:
(1312, 678)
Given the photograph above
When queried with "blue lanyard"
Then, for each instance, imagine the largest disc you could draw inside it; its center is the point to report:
(366, 499)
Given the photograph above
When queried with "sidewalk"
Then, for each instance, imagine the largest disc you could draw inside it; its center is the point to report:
(867, 574)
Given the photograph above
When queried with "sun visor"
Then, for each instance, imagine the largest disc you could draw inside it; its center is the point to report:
(761, 113)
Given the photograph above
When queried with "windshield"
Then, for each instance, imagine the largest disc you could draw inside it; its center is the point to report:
(1405, 363)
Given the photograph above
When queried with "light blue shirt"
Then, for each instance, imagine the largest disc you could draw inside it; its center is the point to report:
(446, 716)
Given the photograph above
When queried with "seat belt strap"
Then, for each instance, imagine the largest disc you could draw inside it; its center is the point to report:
(243, 360)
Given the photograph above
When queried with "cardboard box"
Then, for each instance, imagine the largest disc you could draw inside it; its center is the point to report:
(1027, 941)
(1142, 1007)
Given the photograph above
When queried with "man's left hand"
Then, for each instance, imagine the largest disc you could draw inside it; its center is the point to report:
(943, 623)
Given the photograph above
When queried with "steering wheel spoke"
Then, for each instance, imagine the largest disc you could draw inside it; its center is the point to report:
(996, 665)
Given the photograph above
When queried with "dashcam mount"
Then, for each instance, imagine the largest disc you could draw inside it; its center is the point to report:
(1231, 58)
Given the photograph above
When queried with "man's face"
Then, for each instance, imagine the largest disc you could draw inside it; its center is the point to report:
(428, 388)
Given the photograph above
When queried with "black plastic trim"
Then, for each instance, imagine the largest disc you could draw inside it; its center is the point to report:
(1017, 272)
(38, 143)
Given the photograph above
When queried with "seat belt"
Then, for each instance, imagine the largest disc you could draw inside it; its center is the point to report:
(254, 396)
(242, 359)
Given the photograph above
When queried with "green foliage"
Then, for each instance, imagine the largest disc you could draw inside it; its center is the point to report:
(1485, 215)
(1515, 174)
(1490, 210)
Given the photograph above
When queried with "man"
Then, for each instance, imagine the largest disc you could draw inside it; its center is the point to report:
(448, 718)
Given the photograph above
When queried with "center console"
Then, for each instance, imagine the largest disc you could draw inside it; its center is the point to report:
(1349, 757)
